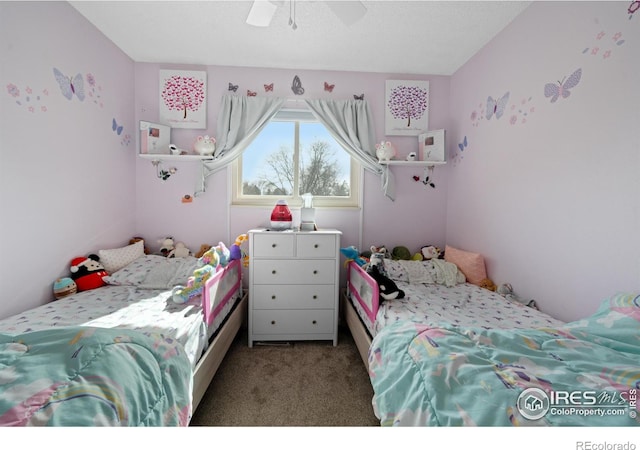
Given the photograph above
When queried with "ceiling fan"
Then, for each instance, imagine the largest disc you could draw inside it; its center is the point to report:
(262, 12)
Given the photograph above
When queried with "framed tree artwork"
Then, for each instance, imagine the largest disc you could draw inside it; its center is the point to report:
(183, 98)
(406, 107)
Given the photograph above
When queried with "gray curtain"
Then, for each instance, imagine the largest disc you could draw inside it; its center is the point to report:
(239, 122)
(350, 122)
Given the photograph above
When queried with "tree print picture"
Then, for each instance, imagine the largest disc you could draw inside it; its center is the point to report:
(183, 98)
(406, 107)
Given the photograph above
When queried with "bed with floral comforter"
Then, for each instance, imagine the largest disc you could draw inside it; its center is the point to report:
(92, 376)
(583, 373)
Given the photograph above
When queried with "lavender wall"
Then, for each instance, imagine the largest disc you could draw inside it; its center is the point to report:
(415, 218)
(549, 192)
(68, 180)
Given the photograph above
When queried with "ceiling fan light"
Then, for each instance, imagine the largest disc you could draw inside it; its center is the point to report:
(261, 13)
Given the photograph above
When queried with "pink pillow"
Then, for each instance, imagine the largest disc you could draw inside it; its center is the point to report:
(470, 264)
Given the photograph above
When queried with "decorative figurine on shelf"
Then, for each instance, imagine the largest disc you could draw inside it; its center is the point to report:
(385, 151)
(411, 156)
(205, 145)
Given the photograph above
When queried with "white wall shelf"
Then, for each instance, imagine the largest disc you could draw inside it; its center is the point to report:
(166, 157)
(398, 162)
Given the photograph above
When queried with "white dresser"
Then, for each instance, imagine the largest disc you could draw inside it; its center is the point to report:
(293, 285)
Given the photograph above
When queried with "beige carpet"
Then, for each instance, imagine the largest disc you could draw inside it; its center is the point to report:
(300, 384)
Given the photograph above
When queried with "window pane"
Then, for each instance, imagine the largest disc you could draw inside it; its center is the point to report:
(268, 163)
(324, 167)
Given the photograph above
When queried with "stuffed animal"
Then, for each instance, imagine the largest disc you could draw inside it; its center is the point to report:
(166, 245)
(388, 288)
(236, 252)
(220, 254)
(430, 252)
(351, 253)
(202, 251)
(401, 252)
(506, 291)
(179, 251)
(385, 151)
(488, 284)
(195, 284)
(205, 145)
(87, 272)
(63, 287)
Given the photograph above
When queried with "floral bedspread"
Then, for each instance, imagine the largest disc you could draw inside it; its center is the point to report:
(583, 373)
(85, 376)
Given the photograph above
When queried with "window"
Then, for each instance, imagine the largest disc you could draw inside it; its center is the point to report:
(293, 155)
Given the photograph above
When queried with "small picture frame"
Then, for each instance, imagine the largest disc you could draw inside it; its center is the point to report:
(155, 138)
(431, 146)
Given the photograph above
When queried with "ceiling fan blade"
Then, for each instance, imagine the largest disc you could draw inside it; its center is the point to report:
(349, 12)
(261, 13)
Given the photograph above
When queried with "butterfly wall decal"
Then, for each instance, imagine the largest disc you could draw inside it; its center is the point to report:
(462, 145)
(497, 107)
(117, 128)
(268, 87)
(70, 86)
(296, 86)
(328, 87)
(233, 87)
(555, 91)
(358, 97)
(251, 93)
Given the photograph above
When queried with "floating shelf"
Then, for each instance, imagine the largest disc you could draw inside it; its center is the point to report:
(399, 162)
(167, 157)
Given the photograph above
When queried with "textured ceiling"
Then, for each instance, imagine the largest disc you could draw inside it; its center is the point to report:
(412, 37)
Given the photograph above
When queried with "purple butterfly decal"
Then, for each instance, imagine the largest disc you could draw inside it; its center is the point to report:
(497, 107)
(70, 86)
(462, 145)
(117, 128)
(555, 91)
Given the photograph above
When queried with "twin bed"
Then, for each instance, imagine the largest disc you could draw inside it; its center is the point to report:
(451, 353)
(123, 354)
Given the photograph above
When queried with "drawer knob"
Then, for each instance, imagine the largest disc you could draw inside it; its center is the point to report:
(315, 272)
(315, 246)
(314, 322)
(273, 297)
(273, 322)
(273, 272)
(315, 297)
(273, 245)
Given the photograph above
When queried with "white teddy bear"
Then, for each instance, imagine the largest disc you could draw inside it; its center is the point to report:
(385, 151)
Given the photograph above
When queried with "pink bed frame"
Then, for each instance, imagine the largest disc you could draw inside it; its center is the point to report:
(364, 289)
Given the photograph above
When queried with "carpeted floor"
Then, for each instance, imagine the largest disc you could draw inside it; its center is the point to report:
(302, 383)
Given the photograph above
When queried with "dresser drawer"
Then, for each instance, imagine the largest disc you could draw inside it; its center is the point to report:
(297, 322)
(300, 271)
(314, 245)
(275, 296)
(273, 245)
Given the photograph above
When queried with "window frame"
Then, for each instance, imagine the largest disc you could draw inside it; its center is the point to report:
(297, 116)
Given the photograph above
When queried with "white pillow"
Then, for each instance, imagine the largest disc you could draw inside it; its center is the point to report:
(117, 258)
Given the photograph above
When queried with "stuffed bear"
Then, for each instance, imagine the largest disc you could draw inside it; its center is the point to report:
(166, 245)
(87, 272)
(388, 289)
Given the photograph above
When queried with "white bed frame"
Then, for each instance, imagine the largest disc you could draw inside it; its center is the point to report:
(223, 287)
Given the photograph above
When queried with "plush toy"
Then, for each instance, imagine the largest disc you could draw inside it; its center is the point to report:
(179, 251)
(195, 284)
(401, 252)
(205, 145)
(202, 251)
(351, 253)
(166, 245)
(236, 252)
(87, 272)
(506, 291)
(388, 289)
(376, 259)
(385, 151)
(487, 284)
(63, 287)
(220, 254)
(430, 252)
